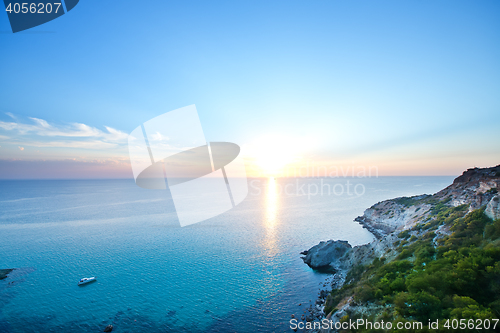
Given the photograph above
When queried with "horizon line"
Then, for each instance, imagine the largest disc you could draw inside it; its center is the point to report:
(315, 177)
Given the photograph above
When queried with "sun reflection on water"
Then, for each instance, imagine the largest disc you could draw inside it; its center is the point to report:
(271, 220)
(271, 204)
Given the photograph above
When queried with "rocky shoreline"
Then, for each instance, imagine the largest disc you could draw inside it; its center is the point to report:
(476, 188)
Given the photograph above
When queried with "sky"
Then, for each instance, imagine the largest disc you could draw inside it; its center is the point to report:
(407, 87)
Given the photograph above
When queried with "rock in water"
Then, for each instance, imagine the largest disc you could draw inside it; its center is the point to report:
(4, 273)
(108, 328)
(326, 254)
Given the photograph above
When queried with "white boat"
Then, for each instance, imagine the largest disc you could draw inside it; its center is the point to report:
(86, 280)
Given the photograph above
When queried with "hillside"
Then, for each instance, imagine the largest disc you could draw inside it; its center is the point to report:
(436, 257)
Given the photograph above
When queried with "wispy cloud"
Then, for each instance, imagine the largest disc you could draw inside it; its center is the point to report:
(115, 134)
(76, 135)
(158, 137)
(11, 115)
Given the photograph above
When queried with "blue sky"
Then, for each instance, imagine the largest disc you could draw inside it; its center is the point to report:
(409, 86)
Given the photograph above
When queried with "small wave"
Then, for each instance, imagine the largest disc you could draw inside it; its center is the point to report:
(21, 199)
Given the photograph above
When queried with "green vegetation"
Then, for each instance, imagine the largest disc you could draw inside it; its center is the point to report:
(405, 201)
(455, 276)
(415, 200)
(404, 234)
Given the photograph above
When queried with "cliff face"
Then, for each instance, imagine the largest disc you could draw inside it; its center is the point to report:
(387, 216)
(475, 188)
(493, 208)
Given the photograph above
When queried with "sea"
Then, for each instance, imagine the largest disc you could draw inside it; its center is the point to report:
(240, 271)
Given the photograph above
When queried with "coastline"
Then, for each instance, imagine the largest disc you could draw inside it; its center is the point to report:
(395, 223)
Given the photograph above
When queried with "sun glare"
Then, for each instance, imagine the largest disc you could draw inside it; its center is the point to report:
(272, 153)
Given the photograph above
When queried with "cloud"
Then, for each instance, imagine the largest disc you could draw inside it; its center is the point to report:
(20, 148)
(77, 135)
(43, 128)
(41, 122)
(11, 115)
(158, 137)
(115, 134)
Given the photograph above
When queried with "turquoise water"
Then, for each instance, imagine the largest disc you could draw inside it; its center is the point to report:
(238, 272)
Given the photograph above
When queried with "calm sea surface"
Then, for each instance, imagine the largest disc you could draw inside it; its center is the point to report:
(238, 272)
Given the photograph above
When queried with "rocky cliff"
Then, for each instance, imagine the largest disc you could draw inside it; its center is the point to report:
(387, 220)
(475, 188)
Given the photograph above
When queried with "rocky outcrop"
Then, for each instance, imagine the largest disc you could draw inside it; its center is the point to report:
(475, 188)
(387, 216)
(493, 208)
(325, 255)
(4, 273)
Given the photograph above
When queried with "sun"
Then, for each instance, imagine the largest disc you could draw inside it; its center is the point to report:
(271, 154)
